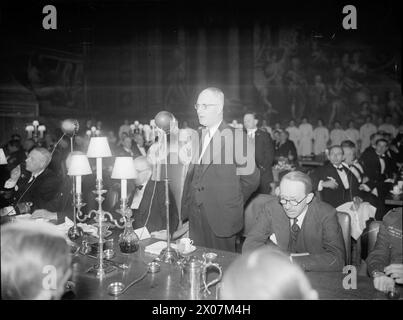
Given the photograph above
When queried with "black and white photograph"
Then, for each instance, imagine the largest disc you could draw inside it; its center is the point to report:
(214, 153)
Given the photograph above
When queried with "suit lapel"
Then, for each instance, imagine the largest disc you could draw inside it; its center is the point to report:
(215, 148)
(145, 202)
(281, 227)
(306, 227)
(335, 174)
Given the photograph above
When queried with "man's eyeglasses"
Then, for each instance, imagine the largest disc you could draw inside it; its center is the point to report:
(294, 203)
(203, 106)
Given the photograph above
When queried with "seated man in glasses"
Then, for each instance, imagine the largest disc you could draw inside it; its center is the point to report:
(299, 224)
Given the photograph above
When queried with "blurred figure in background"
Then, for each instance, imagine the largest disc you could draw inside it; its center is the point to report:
(321, 138)
(35, 261)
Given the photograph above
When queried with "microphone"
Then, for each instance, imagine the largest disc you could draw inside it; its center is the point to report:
(163, 121)
(70, 127)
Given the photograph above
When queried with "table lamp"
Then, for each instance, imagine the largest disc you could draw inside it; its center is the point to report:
(124, 169)
(99, 148)
(79, 166)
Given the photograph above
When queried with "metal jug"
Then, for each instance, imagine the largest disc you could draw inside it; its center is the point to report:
(194, 275)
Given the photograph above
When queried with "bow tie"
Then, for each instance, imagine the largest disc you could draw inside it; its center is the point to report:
(381, 156)
(341, 168)
(139, 187)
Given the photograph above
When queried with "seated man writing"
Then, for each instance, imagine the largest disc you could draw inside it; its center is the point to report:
(300, 225)
(385, 262)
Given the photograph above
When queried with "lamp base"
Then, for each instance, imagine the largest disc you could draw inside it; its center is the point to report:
(75, 232)
(169, 255)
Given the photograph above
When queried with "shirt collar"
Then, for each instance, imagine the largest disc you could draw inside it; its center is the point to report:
(213, 129)
(37, 174)
(301, 217)
(251, 130)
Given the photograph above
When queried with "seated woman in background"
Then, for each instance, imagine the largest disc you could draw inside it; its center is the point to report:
(265, 274)
(35, 261)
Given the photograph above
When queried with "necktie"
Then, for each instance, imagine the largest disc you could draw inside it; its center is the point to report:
(293, 236)
(341, 168)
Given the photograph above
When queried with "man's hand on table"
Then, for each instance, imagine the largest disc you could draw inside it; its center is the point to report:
(383, 283)
(44, 214)
(395, 271)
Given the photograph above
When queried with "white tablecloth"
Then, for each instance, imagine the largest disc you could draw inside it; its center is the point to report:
(359, 217)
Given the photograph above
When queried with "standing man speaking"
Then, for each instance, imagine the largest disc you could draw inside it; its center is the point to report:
(221, 177)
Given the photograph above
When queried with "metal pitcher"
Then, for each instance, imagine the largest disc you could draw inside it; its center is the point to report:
(194, 276)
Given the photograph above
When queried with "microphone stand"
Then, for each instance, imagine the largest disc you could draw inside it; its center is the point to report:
(168, 254)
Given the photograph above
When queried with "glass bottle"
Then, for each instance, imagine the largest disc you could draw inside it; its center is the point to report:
(128, 239)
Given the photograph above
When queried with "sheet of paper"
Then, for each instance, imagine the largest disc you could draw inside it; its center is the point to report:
(142, 233)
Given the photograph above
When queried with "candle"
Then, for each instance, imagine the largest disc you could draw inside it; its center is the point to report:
(78, 184)
(123, 189)
(99, 168)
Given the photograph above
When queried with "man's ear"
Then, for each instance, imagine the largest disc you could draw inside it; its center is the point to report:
(309, 197)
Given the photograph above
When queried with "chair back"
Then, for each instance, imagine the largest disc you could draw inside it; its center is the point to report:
(252, 210)
(372, 234)
(111, 199)
(345, 224)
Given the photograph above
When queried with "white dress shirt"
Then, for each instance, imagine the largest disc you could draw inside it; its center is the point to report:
(138, 196)
(209, 135)
(343, 176)
(251, 133)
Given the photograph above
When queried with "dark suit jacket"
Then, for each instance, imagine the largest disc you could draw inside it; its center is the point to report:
(388, 246)
(339, 195)
(157, 220)
(221, 189)
(283, 150)
(40, 192)
(264, 155)
(320, 235)
(372, 168)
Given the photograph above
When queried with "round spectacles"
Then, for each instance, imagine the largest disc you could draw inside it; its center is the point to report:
(203, 106)
(294, 203)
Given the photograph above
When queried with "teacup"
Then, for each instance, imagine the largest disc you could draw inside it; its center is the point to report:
(184, 245)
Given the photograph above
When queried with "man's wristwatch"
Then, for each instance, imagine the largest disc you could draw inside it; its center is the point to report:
(377, 273)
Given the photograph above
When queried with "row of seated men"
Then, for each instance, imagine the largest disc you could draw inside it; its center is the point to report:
(264, 273)
(280, 223)
(35, 188)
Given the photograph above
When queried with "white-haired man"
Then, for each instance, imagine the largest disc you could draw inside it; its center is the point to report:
(217, 183)
(38, 188)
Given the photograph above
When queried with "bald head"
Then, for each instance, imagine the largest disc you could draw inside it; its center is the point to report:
(209, 106)
(144, 169)
(265, 274)
(37, 160)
